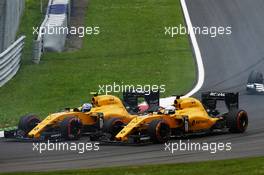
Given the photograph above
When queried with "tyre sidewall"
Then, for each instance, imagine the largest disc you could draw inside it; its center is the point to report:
(109, 126)
(71, 128)
(28, 122)
(154, 130)
(237, 121)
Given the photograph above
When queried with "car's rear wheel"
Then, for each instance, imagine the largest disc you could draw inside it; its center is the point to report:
(237, 121)
(113, 126)
(255, 77)
(71, 128)
(27, 123)
(159, 131)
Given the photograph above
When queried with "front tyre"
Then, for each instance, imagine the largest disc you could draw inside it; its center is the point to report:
(71, 128)
(113, 126)
(27, 123)
(159, 131)
(237, 121)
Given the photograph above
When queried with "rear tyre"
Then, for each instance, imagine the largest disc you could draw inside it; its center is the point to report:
(255, 77)
(159, 131)
(27, 123)
(113, 126)
(237, 121)
(71, 128)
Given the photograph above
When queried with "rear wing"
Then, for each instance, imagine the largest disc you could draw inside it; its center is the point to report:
(209, 99)
(131, 98)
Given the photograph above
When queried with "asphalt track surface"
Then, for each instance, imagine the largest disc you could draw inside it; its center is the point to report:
(228, 61)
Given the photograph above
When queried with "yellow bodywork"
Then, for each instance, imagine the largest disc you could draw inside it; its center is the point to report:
(191, 108)
(110, 106)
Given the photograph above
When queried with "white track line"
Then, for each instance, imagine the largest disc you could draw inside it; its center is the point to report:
(1, 134)
(164, 102)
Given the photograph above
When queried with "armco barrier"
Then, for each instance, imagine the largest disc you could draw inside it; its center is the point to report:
(10, 60)
(57, 15)
(38, 44)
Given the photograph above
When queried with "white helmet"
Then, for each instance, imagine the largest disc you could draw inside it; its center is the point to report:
(86, 107)
(170, 110)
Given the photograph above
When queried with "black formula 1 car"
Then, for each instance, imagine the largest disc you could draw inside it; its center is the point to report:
(255, 84)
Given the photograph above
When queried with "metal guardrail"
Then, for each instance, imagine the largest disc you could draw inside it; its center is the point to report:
(38, 44)
(10, 60)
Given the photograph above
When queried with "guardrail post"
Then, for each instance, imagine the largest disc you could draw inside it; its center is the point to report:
(36, 51)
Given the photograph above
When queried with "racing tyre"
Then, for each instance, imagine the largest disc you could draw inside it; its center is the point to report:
(237, 121)
(27, 123)
(159, 131)
(255, 77)
(113, 126)
(71, 128)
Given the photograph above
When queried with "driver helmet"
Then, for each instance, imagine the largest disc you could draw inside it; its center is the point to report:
(170, 110)
(86, 107)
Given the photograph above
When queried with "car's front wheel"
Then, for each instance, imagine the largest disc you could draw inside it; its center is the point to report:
(71, 128)
(113, 126)
(27, 123)
(159, 131)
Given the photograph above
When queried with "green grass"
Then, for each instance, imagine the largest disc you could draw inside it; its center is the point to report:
(8, 128)
(246, 166)
(131, 49)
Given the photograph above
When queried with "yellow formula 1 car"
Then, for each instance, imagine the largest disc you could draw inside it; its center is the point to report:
(72, 123)
(187, 116)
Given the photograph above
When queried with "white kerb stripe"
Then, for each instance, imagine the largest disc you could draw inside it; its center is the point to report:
(196, 51)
